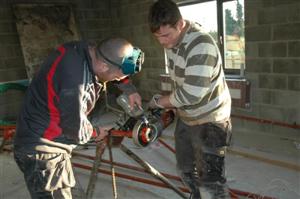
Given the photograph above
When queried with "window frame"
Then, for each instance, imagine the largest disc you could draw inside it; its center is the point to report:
(236, 73)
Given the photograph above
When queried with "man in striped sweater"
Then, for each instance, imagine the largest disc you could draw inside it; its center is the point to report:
(200, 96)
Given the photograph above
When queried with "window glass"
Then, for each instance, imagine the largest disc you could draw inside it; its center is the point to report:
(234, 39)
(203, 13)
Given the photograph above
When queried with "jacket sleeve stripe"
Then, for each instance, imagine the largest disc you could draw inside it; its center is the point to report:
(53, 129)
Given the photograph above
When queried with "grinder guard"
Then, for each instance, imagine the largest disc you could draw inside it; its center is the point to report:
(144, 129)
(143, 134)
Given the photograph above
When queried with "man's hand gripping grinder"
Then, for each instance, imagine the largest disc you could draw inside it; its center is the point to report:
(146, 126)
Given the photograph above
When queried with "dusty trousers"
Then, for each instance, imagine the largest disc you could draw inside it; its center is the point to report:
(47, 175)
(200, 153)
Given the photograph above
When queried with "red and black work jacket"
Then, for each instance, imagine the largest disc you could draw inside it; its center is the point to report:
(58, 100)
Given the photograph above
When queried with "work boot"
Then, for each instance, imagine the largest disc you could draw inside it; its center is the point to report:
(213, 178)
(190, 181)
(195, 194)
(217, 190)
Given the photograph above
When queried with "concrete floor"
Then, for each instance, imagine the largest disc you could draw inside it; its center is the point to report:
(242, 173)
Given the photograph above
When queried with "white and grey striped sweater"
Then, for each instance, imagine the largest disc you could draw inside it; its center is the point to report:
(199, 89)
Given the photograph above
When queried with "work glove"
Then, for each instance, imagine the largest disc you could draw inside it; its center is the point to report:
(153, 104)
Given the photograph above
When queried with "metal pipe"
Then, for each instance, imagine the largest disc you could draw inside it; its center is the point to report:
(152, 170)
(126, 166)
(100, 147)
(233, 192)
(112, 168)
(264, 121)
(129, 177)
(249, 195)
(166, 145)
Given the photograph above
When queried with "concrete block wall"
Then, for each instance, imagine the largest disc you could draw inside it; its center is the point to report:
(96, 20)
(11, 62)
(272, 34)
(129, 19)
(92, 17)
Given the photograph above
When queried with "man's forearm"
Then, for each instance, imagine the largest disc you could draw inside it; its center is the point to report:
(165, 102)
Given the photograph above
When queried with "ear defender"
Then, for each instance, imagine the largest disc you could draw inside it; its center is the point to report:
(131, 63)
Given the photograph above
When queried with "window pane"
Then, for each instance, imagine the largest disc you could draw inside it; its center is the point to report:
(234, 41)
(203, 13)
